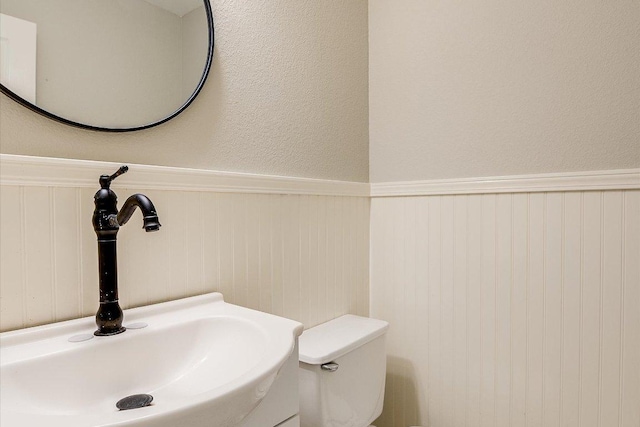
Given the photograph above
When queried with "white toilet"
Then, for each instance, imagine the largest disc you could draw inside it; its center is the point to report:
(342, 372)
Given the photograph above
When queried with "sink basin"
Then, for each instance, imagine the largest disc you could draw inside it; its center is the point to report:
(204, 361)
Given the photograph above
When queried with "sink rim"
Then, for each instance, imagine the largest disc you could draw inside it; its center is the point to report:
(259, 377)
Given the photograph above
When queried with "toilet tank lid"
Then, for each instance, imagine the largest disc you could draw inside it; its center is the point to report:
(328, 341)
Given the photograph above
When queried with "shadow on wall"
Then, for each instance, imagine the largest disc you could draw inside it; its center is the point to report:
(401, 400)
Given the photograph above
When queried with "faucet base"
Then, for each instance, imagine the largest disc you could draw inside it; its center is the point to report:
(107, 333)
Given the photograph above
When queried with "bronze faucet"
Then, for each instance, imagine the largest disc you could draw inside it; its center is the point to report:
(106, 223)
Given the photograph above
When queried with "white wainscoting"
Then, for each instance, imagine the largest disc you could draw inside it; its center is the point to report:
(302, 256)
(509, 309)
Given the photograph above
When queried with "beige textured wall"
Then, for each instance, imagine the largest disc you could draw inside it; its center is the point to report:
(287, 95)
(466, 89)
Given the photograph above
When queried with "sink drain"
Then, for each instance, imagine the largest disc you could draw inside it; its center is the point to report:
(134, 401)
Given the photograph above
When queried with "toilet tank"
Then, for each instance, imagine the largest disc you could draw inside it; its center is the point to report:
(342, 372)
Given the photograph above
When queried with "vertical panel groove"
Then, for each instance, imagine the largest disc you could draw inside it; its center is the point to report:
(78, 194)
(299, 256)
(481, 283)
(259, 278)
(562, 291)
(23, 258)
(581, 307)
(495, 307)
(52, 252)
(622, 293)
(440, 320)
(217, 211)
(430, 335)
(245, 241)
(234, 226)
(273, 215)
(404, 326)
(466, 410)
(203, 261)
(416, 262)
(526, 312)
(601, 308)
(544, 299)
(511, 284)
(283, 254)
(453, 304)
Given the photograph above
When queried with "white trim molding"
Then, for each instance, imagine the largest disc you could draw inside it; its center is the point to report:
(20, 170)
(622, 179)
(53, 172)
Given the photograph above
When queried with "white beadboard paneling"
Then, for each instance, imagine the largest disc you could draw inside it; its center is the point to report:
(630, 347)
(252, 243)
(571, 367)
(552, 338)
(66, 252)
(611, 329)
(225, 236)
(447, 310)
(210, 243)
(591, 309)
(175, 226)
(12, 280)
(195, 239)
(519, 309)
(266, 256)
(239, 271)
(460, 301)
(434, 308)
(88, 285)
(535, 309)
(291, 255)
(38, 266)
(323, 257)
(503, 293)
(512, 303)
(514, 310)
(277, 249)
(290, 246)
(488, 310)
(474, 311)
(421, 361)
(364, 243)
(312, 266)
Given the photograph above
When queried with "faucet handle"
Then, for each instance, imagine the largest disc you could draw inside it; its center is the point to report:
(120, 171)
(105, 180)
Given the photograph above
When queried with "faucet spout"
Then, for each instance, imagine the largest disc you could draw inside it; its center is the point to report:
(150, 217)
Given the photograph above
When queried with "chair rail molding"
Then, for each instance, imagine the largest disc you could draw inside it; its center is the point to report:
(621, 179)
(57, 172)
(54, 172)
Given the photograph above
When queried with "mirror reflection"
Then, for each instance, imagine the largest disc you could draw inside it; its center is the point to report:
(104, 63)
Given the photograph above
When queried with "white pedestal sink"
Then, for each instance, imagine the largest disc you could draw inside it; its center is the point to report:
(205, 362)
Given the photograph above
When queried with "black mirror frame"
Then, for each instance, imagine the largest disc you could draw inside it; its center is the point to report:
(203, 79)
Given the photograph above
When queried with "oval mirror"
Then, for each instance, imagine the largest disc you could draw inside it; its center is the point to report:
(111, 65)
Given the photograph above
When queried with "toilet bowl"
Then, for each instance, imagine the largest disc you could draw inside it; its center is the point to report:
(342, 372)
